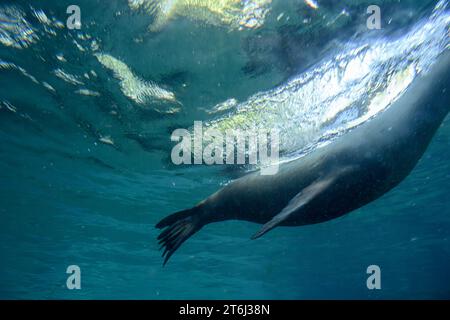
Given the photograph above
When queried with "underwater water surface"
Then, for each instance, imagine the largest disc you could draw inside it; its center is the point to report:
(86, 117)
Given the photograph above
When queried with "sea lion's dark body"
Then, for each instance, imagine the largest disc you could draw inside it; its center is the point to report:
(348, 173)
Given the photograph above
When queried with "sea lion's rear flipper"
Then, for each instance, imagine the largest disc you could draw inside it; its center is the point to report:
(179, 227)
(296, 203)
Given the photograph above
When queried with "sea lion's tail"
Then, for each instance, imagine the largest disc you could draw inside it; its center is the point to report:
(178, 228)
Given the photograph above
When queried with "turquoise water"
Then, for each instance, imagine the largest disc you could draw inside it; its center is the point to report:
(85, 170)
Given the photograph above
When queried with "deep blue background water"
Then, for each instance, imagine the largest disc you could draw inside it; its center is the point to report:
(68, 199)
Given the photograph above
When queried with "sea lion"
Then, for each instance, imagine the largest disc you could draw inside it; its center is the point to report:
(355, 169)
(236, 14)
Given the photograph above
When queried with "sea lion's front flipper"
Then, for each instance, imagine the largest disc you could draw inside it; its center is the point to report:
(302, 198)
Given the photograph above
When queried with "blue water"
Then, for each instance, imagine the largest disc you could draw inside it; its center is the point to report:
(86, 175)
